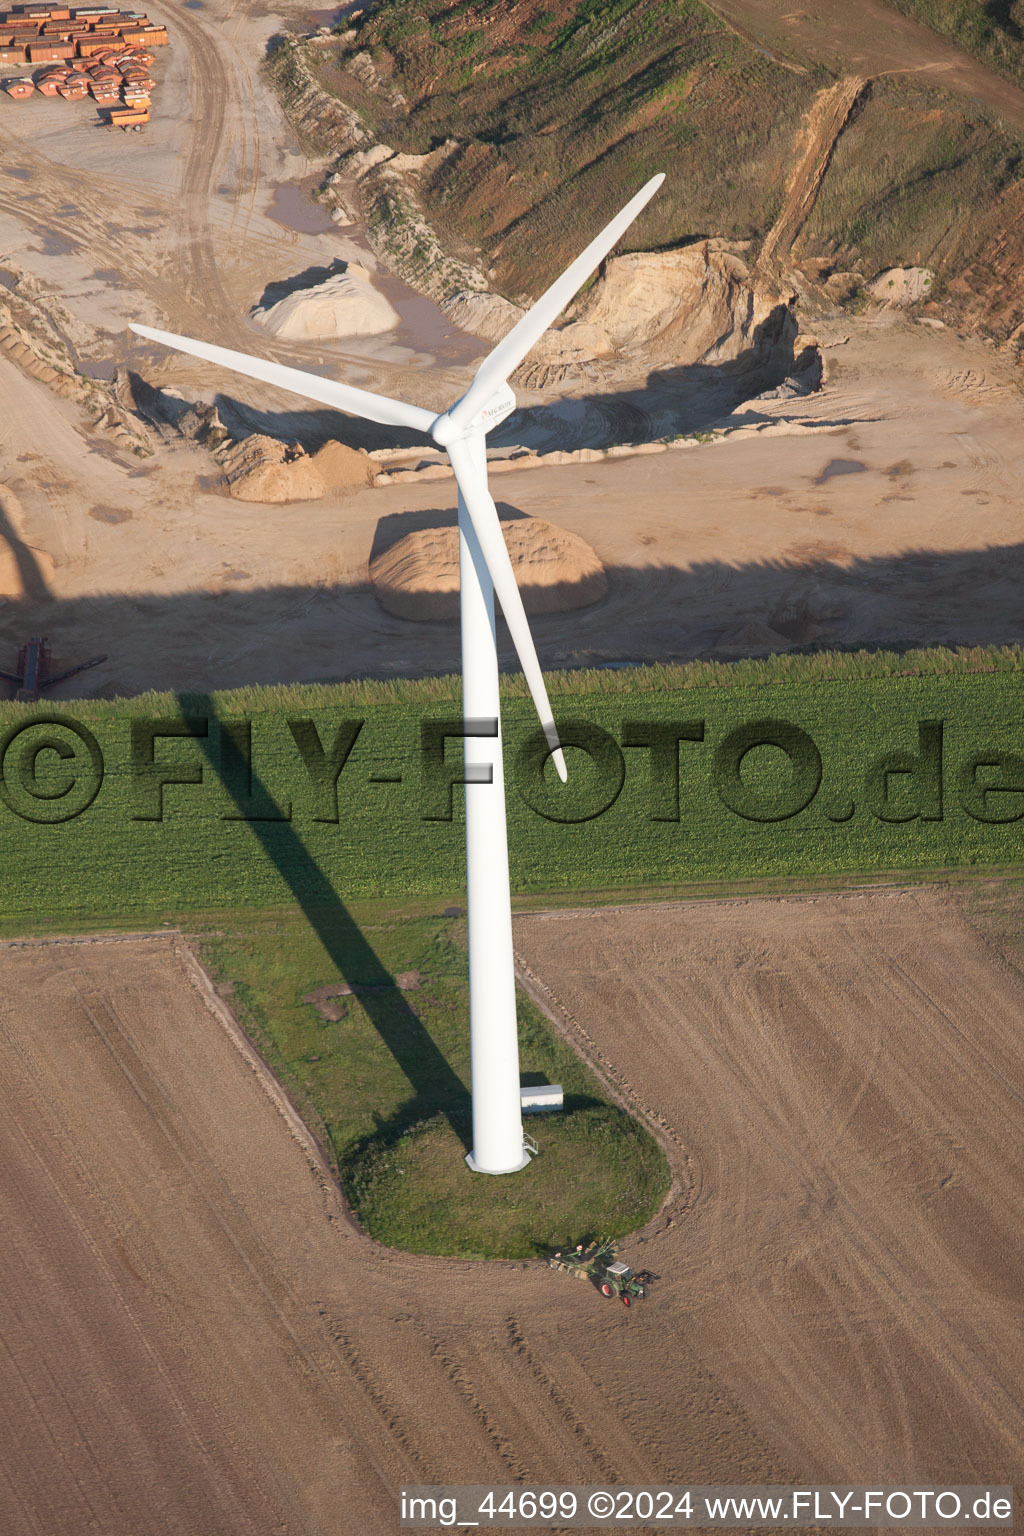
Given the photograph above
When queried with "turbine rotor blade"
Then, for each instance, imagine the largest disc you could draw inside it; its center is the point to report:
(469, 461)
(499, 364)
(343, 397)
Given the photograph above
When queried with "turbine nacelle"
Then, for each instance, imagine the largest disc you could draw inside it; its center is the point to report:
(447, 429)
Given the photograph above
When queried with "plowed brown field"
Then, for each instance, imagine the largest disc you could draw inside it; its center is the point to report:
(845, 1074)
(196, 1339)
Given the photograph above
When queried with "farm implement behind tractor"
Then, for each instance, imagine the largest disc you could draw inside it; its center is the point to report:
(598, 1264)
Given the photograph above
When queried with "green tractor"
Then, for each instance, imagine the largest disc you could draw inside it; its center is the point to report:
(597, 1263)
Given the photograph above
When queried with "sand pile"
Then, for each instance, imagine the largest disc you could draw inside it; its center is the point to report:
(418, 578)
(697, 304)
(343, 468)
(262, 469)
(344, 305)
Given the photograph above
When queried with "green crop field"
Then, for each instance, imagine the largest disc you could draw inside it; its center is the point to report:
(793, 766)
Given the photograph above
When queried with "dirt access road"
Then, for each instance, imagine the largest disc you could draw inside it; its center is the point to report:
(870, 38)
(196, 1338)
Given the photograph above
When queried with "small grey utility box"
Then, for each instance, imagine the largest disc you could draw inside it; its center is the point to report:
(547, 1096)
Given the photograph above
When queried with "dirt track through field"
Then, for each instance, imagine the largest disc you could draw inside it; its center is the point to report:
(821, 128)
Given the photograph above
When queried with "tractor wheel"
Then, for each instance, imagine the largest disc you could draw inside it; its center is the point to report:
(625, 1300)
(606, 1290)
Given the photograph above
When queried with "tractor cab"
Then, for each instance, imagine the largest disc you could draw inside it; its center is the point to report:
(619, 1280)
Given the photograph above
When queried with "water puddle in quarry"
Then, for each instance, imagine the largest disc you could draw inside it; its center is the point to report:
(836, 467)
(424, 327)
(678, 398)
(331, 17)
(293, 207)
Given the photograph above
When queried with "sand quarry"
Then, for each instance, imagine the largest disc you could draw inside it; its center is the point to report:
(198, 1339)
(884, 509)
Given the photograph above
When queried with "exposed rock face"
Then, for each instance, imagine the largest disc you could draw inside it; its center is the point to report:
(201, 423)
(362, 161)
(699, 304)
(345, 304)
(33, 328)
(262, 469)
(808, 369)
(418, 578)
(482, 314)
(385, 184)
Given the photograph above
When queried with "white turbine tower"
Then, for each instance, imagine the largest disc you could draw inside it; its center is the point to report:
(484, 570)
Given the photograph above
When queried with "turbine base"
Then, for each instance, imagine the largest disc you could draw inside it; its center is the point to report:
(514, 1169)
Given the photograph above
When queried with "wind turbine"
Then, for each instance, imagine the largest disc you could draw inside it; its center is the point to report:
(484, 570)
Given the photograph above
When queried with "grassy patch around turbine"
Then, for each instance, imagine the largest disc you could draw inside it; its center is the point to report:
(380, 1072)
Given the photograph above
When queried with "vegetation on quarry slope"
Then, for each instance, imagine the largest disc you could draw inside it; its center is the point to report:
(559, 105)
(915, 177)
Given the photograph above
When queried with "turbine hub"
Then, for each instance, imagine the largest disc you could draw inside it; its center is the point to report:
(445, 431)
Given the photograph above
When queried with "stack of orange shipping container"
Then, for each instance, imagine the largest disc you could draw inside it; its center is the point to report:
(43, 34)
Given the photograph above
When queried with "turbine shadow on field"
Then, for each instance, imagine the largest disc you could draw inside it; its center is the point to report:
(26, 562)
(437, 1088)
